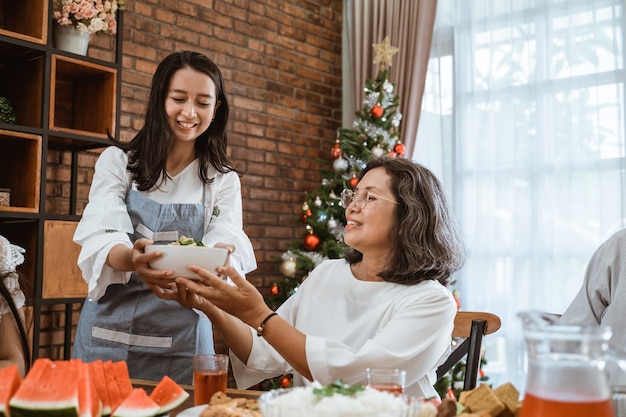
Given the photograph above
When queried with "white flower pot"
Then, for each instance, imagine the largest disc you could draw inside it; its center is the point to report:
(70, 39)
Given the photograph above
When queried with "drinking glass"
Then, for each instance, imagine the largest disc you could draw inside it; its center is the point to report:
(210, 374)
(386, 379)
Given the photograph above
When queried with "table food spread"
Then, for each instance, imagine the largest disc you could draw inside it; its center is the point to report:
(103, 388)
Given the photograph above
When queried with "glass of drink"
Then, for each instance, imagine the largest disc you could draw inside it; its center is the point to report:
(210, 374)
(386, 379)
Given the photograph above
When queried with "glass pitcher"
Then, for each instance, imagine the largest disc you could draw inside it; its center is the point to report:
(566, 368)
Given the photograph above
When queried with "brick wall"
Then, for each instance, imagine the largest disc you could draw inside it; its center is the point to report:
(281, 60)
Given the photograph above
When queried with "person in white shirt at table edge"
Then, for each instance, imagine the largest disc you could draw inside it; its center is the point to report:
(385, 305)
(601, 300)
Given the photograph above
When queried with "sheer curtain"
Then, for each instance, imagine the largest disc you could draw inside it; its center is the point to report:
(523, 119)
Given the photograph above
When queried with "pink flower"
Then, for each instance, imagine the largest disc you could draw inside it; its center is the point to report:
(89, 15)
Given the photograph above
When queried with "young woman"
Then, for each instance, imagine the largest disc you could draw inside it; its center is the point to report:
(385, 305)
(173, 179)
(14, 348)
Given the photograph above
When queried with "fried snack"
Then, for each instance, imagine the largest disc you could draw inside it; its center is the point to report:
(447, 408)
(222, 405)
(482, 399)
(463, 396)
(510, 398)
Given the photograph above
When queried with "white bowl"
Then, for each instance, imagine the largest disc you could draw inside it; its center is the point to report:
(368, 403)
(176, 258)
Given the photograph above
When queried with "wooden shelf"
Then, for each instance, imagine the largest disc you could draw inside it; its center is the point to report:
(21, 72)
(63, 102)
(62, 277)
(25, 19)
(20, 170)
(82, 97)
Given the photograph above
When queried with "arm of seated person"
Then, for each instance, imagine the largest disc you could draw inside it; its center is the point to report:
(11, 351)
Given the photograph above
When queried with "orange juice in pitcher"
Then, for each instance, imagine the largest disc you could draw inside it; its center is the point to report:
(565, 369)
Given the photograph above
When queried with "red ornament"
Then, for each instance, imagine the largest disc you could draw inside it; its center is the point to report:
(336, 151)
(311, 241)
(377, 111)
(285, 382)
(274, 289)
(392, 154)
(303, 218)
(354, 181)
(450, 394)
(399, 148)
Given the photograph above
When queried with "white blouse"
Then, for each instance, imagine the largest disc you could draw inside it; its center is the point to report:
(351, 325)
(105, 221)
(601, 299)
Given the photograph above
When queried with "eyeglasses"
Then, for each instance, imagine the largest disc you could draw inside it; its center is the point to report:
(360, 198)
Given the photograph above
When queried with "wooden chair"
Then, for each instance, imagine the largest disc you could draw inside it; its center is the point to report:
(472, 326)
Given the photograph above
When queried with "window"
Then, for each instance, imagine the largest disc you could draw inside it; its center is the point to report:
(530, 146)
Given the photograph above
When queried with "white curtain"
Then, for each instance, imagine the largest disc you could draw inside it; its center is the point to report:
(523, 119)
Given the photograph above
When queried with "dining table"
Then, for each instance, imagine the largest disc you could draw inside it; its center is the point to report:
(188, 403)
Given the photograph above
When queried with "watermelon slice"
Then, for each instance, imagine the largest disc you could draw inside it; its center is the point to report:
(10, 381)
(137, 404)
(88, 399)
(118, 382)
(168, 395)
(98, 379)
(113, 390)
(50, 389)
(120, 370)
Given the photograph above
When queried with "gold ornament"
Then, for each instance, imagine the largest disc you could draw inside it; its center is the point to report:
(384, 52)
(288, 268)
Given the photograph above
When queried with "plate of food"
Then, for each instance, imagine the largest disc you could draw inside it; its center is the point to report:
(177, 255)
(193, 411)
(223, 405)
(337, 400)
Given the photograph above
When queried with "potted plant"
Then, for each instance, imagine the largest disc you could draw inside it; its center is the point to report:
(81, 18)
(7, 115)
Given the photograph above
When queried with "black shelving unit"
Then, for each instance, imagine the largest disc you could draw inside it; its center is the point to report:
(42, 83)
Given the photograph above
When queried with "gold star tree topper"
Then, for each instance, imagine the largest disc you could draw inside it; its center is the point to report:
(384, 52)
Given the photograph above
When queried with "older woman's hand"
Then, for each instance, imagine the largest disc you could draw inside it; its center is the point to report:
(241, 300)
(179, 291)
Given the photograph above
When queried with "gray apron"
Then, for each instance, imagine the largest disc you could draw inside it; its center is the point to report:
(155, 337)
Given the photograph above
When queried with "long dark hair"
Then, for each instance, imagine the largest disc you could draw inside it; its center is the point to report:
(148, 150)
(4, 292)
(427, 245)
